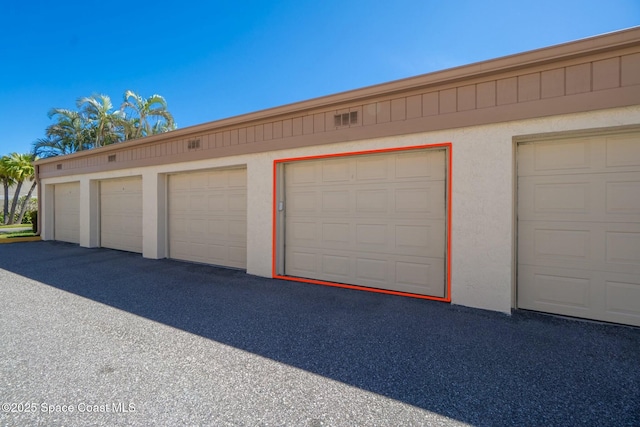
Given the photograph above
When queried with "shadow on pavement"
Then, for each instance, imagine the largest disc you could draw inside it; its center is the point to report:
(475, 366)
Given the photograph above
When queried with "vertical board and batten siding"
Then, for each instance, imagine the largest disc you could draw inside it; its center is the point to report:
(207, 217)
(67, 212)
(121, 214)
(373, 220)
(579, 227)
(515, 95)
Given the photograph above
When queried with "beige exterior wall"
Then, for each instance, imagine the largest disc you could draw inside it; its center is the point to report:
(483, 204)
(482, 109)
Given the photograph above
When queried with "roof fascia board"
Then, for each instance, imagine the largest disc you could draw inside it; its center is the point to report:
(566, 51)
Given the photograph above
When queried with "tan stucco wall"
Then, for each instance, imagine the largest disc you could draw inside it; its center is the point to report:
(482, 202)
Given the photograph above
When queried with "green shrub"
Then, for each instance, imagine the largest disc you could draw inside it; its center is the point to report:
(34, 220)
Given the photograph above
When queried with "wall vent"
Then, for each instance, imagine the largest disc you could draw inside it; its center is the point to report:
(345, 119)
(112, 158)
(193, 144)
(59, 166)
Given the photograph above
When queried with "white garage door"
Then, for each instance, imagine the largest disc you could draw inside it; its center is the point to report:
(67, 212)
(208, 217)
(121, 214)
(372, 220)
(579, 227)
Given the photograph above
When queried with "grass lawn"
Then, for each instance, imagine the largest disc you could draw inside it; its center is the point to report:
(17, 234)
(4, 227)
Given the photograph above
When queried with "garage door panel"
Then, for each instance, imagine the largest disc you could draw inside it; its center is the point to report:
(618, 201)
(426, 200)
(603, 296)
(301, 173)
(588, 197)
(579, 227)
(225, 255)
(335, 201)
(200, 181)
(336, 267)
(180, 249)
(339, 170)
(374, 201)
(616, 153)
(399, 237)
(179, 203)
(216, 228)
(303, 233)
(424, 165)
(565, 156)
(179, 182)
(622, 294)
(237, 202)
(427, 240)
(558, 197)
(416, 200)
(207, 217)
(121, 214)
(121, 186)
(623, 248)
(556, 243)
(372, 271)
(131, 224)
(67, 212)
(370, 220)
(217, 253)
(602, 246)
(178, 227)
(303, 263)
(336, 233)
(195, 201)
(301, 202)
(238, 256)
(121, 241)
(416, 276)
(553, 289)
(623, 152)
(237, 178)
(237, 231)
(368, 168)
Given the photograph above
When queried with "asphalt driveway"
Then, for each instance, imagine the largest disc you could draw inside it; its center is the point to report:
(101, 337)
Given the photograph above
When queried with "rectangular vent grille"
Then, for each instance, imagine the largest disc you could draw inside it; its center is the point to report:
(346, 119)
(193, 144)
(112, 158)
(59, 166)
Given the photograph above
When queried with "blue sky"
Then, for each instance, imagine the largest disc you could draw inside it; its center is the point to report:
(217, 59)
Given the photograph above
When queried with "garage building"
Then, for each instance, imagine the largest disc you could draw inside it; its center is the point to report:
(508, 184)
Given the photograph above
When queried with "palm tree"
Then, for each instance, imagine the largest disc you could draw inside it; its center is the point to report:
(96, 123)
(7, 181)
(67, 135)
(30, 173)
(162, 127)
(20, 168)
(50, 147)
(104, 123)
(142, 111)
(71, 129)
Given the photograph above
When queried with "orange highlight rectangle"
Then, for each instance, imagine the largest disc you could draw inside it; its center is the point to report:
(447, 145)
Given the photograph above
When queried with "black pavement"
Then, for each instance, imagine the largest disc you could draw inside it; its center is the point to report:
(102, 337)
